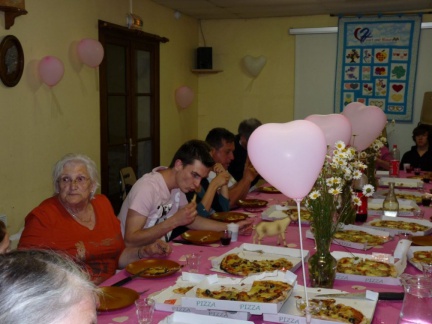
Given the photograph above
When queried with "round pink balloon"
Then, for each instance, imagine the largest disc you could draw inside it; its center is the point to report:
(51, 70)
(184, 96)
(90, 52)
(289, 156)
(367, 123)
(336, 127)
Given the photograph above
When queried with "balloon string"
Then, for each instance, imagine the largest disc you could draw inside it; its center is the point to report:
(308, 317)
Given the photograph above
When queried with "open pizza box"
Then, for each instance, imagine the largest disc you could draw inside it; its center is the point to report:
(406, 207)
(401, 182)
(413, 249)
(275, 212)
(396, 231)
(187, 318)
(263, 252)
(168, 300)
(398, 259)
(289, 313)
(359, 246)
(401, 194)
(214, 282)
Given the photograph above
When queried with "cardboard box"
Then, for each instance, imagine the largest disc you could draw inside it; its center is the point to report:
(413, 249)
(395, 231)
(401, 182)
(215, 282)
(276, 212)
(263, 252)
(401, 194)
(406, 207)
(168, 301)
(187, 318)
(290, 314)
(354, 245)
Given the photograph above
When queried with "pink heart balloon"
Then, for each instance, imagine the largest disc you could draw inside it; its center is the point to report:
(335, 127)
(367, 123)
(289, 156)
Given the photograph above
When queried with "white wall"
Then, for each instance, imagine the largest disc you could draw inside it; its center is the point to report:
(315, 81)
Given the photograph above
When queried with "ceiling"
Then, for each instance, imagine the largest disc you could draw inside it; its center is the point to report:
(247, 9)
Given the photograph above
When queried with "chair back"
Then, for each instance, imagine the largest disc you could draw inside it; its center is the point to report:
(127, 179)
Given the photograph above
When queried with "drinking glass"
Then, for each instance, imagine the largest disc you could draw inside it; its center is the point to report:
(193, 262)
(427, 269)
(226, 237)
(144, 310)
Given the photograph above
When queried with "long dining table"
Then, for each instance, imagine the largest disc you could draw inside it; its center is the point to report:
(386, 312)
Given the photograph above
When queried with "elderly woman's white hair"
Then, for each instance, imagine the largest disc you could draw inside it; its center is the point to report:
(76, 158)
(40, 286)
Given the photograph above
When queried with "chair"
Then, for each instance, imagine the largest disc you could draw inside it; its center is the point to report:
(127, 180)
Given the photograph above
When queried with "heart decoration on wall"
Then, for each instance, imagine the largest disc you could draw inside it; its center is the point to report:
(254, 65)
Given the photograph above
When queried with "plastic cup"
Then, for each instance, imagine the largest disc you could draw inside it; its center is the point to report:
(144, 310)
(406, 166)
(417, 171)
(226, 237)
(193, 262)
(234, 228)
(409, 169)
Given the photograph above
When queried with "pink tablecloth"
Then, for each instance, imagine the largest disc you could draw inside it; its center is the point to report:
(387, 312)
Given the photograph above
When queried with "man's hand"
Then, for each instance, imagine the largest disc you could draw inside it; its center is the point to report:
(158, 248)
(185, 215)
(249, 171)
(246, 226)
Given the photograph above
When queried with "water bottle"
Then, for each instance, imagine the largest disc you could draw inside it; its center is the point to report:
(394, 162)
(391, 204)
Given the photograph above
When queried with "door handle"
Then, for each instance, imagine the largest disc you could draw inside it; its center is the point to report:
(131, 145)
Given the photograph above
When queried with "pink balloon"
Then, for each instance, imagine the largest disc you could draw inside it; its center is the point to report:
(184, 96)
(335, 127)
(90, 52)
(367, 123)
(289, 156)
(51, 70)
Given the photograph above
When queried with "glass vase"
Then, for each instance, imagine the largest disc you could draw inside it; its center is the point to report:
(348, 212)
(322, 265)
(371, 171)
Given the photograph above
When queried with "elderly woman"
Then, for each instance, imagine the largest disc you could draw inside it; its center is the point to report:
(4, 239)
(44, 287)
(82, 224)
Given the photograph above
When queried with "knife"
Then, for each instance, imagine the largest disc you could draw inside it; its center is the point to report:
(185, 242)
(125, 280)
(381, 295)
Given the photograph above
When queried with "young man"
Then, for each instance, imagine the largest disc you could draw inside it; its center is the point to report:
(157, 203)
(420, 155)
(222, 142)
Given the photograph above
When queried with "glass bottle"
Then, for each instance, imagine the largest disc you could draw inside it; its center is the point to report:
(391, 204)
(394, 162)
(361, 211)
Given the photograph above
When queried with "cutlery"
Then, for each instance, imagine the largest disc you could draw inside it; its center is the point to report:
(185, 242)
(381, 295)
(125, 280)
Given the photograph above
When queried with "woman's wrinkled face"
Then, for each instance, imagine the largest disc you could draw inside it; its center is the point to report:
(75, 184)
(5, 244)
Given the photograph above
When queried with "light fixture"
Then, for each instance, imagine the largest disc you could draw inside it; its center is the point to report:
(177, 14)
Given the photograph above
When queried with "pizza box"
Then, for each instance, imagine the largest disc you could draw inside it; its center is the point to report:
(413, 249)
(169, 301)
(382, 173)
(215, 282)
(401, 182)
(276, 212)
(289, 312)
(401, 194)
(395, 231)
(399, 260)
(406, 207)
(263, 252)
(354, 245)
(187, 318)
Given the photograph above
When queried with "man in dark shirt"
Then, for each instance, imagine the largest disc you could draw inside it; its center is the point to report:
(419, 156)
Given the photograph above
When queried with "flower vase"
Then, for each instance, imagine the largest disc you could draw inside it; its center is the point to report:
(322, 265)
(371, 171)
(348, 214)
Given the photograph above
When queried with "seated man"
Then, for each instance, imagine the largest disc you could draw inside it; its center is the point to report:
(245, 129)
(419, 156)
(157, 202)
(222, 142)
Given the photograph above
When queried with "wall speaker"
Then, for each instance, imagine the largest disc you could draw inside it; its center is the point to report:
(204, 58)
(426, 113)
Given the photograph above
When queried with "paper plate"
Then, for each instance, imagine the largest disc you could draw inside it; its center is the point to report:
(201, 237)
(269, 189)
(112, 298)
(422, 240)
(228, 217)
(155, 268)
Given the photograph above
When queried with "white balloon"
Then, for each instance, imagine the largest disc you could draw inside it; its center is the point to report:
(254, 65)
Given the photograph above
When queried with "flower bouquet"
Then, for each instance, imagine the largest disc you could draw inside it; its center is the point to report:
(369, 156)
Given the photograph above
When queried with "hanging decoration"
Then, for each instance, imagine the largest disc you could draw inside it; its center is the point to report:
(377, 62)
(51, 70)
(184, 96)
(254, 65)
(133, 21)
(90, 52)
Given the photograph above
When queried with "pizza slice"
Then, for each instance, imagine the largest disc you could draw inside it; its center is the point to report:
(234, 264)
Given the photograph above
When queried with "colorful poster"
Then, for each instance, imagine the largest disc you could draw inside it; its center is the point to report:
(377, 62)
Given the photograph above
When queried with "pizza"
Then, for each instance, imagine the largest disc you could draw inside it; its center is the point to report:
(365, 267)
(262, 291)
(252, 203)
(157, 271)
(304, 214)
(422, 256)
(234, 264)
(228, 217)
(401, 225)
(269, 189)
(182, 290)
(401, 208)
(359, 237)
(328, 309)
